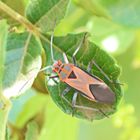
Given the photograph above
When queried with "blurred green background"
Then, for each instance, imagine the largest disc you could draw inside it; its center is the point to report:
(121, 39)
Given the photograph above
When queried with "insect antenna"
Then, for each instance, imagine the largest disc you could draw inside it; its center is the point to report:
(51, 45)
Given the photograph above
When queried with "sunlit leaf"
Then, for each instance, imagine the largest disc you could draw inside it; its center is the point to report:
(46, 14)
(23, 61)
(88, 52)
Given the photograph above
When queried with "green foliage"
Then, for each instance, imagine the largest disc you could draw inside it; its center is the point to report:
(22, 63)
(46, 14)
(88, 52)
(105, 33)
(117, 11)
(25, 47)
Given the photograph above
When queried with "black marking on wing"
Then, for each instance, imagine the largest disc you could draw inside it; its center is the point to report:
(102, 93)
(72, 75)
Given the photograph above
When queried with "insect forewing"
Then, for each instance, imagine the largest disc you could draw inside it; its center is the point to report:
(102, 93)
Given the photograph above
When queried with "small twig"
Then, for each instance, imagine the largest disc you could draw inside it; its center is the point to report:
(33, 29)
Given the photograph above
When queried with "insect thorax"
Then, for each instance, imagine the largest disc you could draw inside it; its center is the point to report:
(65, 71)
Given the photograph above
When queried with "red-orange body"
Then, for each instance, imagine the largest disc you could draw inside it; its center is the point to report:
(84, 82)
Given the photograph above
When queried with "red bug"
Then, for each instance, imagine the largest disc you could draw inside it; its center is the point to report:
(89, 86)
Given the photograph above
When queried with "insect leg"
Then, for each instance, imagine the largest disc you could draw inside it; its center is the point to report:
(51, 47)
(85, 107)
(51, 77)
(45, 68)
(89, 67)
(88, 108)
(65, 58)
(74, 102)
(76, 51)
(74, 105)
(51, 43)
(94, 63)
(66, 90)
(98, 67)
(55, 76)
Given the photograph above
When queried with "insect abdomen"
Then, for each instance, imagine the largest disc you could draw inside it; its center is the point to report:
(102, 93)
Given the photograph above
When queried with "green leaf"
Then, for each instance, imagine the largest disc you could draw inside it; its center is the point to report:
(118, 11)
(23, 61)
(88, 52)
(31, 108)
(92, 7)
(46, 13)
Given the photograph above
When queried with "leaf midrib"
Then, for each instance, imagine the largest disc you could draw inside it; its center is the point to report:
(49, 11)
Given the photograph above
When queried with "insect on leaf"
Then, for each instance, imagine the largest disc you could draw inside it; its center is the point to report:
(89, 51)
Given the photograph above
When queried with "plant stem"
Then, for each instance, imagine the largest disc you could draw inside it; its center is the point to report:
(33, 29)
(26, 23)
